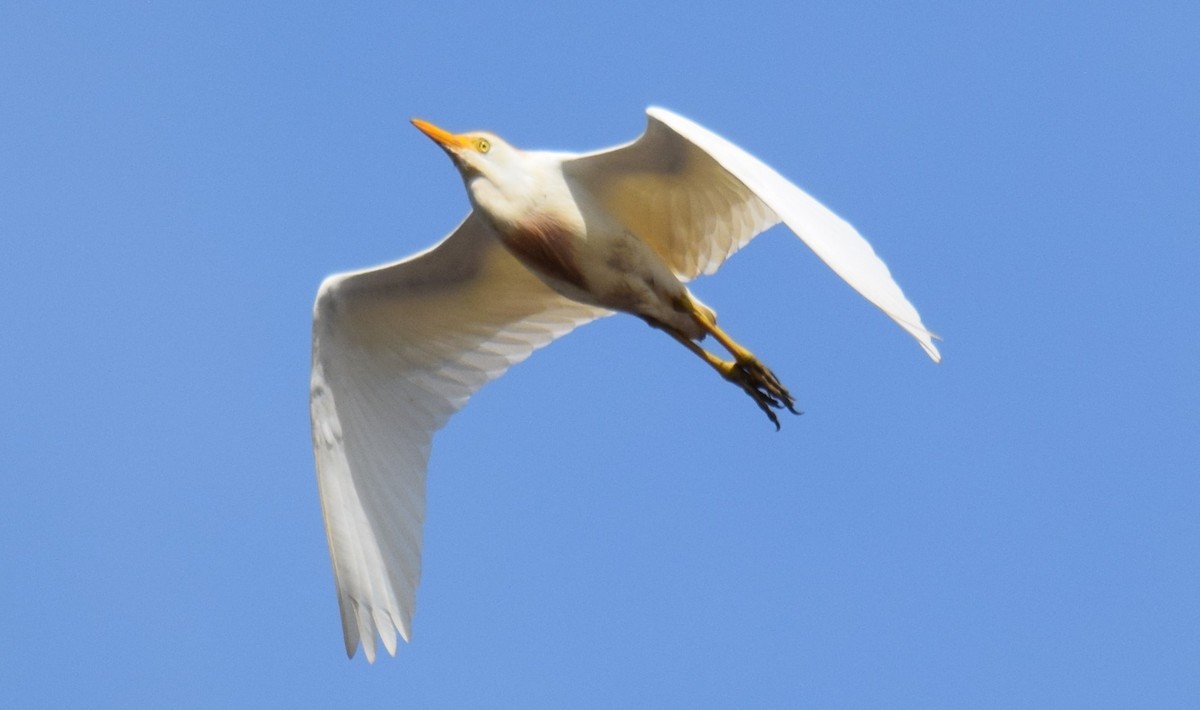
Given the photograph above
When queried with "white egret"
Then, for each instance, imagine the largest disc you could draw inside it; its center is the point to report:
(553, 240)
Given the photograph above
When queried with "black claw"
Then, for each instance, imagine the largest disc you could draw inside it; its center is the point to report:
(765, 389)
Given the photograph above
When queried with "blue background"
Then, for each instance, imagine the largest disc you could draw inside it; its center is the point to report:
(611, 525)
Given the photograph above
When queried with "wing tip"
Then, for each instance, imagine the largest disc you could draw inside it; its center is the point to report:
(369, 625)
(919, 332)
(930, 348)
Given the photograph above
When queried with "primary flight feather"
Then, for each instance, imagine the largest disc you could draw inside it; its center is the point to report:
(553, 241)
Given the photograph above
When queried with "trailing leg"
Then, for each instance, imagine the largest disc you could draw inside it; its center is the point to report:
(745, 370)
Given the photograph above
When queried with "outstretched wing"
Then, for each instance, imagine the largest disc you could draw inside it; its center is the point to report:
(697, 198)
(397, 350)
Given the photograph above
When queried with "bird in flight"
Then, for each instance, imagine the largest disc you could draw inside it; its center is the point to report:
(553, 240)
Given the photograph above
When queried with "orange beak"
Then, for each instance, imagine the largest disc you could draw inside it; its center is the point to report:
(446, 139)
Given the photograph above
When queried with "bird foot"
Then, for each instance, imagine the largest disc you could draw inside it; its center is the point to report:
(762, 385)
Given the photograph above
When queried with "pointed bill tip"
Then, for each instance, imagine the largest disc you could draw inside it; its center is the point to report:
(440, 136)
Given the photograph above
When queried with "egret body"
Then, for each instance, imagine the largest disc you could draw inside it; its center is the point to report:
(553, 240)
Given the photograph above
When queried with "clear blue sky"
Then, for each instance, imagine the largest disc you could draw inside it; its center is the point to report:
(611, 525)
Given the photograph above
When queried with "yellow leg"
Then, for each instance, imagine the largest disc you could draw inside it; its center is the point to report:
(723, 367)
(745, 370)
(735, 349)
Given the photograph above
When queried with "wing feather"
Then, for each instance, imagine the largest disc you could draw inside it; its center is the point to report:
(396, 351)
(697, 198)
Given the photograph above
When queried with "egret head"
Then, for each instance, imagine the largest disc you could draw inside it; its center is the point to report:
(495, 173)
(475, 153)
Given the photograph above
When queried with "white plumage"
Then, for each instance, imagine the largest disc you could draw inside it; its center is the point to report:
(399, 348)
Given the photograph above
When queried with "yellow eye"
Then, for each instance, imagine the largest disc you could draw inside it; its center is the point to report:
(482, 145)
